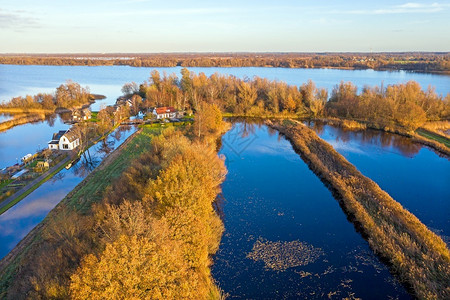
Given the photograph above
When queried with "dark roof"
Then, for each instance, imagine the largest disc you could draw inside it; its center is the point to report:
(70, 135)
(57, 136)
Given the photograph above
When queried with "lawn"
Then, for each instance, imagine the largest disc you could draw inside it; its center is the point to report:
(433, 136)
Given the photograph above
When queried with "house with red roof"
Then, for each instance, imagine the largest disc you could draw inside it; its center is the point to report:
(165, 112)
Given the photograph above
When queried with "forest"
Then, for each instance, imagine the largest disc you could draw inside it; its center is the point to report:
(404, 106)
(428, 62)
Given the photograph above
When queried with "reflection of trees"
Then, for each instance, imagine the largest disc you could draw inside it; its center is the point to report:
(106, 147)
(376, 138)
(116, 135)
(57, 177)
(271, 131)
(65, 116)
(86, 164)
(123, 128)
(247, 128)
(406, 146)
(317, 126)
(50, 119)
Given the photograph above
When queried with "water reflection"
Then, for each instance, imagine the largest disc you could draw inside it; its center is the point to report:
(270, 195)
(405, 146)
(24, 216)
(86, 163)
(106, 147)
(411, 173)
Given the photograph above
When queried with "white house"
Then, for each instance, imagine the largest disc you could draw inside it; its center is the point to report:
(64, 140)
(81, 115)
(166, 112)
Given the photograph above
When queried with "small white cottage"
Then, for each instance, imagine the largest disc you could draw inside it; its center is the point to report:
(64, 140)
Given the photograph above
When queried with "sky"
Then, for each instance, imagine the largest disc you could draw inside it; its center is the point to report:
(149, 26)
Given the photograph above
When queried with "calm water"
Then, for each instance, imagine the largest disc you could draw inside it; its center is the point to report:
(28, 138)
(5, 117)
(18, 80)
(270, 195)
(24, 216)
(412, 174)
(108, 80)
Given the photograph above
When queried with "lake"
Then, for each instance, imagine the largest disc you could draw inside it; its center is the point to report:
(17, 80)
(411, 173)
(285, 235)
(16, 222)
(28, 138)
(271, 199)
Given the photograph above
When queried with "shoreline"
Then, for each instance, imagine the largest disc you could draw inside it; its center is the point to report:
(441, 73)
(12, 261)
(417, 255)
(21, 120)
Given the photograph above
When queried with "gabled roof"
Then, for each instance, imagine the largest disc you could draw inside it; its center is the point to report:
(165, 109)
(57, 136)
(71, 136)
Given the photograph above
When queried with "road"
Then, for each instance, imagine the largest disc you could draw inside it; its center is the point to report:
(30, 185)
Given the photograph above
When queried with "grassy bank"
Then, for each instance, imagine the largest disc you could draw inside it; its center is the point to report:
(417, 255)
(15, 110)
(434, 136)
(78, 201)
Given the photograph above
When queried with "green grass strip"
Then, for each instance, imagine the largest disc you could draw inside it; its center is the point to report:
(433, 136)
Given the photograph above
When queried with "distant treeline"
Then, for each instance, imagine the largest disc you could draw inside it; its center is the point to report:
(68, 95)
(415, 61)
(405, 106)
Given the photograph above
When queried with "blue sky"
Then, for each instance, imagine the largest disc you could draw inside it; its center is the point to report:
(57, 26)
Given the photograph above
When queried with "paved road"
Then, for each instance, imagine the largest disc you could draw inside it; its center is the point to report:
(32, 183)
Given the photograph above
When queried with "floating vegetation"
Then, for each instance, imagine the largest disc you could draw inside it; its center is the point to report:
(280, 256)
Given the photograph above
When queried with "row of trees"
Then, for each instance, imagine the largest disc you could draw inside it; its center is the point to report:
(424, 62)
(68, 95)
(405, 105)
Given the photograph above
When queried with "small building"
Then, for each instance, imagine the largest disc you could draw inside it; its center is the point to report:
(64, 140)
(81, 115)
(165, 112)
(43, 164)
(26, 157)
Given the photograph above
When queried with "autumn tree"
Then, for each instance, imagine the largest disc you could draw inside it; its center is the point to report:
(208, 120)
(130, 88)
(246, 96)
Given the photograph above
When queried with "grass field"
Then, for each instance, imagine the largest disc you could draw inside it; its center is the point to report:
(433, 136)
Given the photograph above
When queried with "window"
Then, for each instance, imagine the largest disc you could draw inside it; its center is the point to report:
(65, 146)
